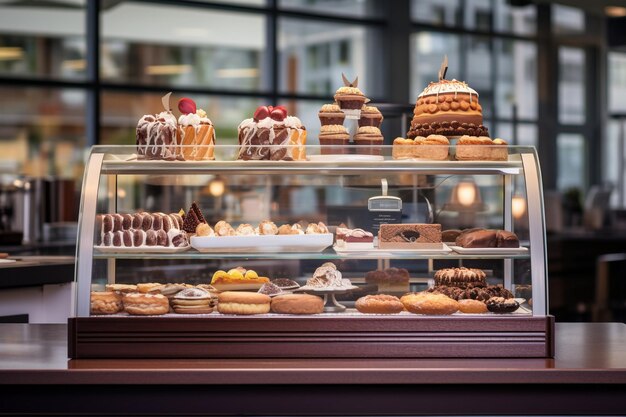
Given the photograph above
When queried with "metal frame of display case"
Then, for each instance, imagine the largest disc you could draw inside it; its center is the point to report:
(340, 335)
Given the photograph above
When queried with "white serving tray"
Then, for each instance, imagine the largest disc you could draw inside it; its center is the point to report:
(374, 252)
(346, 158)
(490, 251)
(262, 243)
(140, 249)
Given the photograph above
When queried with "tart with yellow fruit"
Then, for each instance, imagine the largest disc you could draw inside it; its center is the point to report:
(237, 279)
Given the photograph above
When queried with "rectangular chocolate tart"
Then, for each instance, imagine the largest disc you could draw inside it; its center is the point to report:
(410, 236)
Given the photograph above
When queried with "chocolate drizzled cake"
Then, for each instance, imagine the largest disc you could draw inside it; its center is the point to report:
(460, 277)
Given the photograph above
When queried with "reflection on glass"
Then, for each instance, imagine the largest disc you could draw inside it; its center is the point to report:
(571, 85)
(520, 20)
(479, 65)
(617, 81)
(516, 80)
(43, 39)
(613, 168)
(427, 52)
(43, 130)
(437, 12)
(121, 111)
(351, 8)
(313, 55)
(567, 20)
(571, 162)
(157, 44)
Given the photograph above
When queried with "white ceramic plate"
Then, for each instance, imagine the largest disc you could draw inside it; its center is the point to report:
(263, 243)
(374, 252)
(345, 158)
(140, 249)
(490, 251)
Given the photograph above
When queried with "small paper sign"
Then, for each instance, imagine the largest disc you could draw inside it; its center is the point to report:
(444, 68)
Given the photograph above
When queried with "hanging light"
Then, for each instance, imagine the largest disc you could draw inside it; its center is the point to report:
(518, 206)
(465, 196)
(217, 186)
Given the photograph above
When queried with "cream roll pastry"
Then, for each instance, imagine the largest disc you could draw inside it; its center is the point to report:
(142, 229)
(272, 134)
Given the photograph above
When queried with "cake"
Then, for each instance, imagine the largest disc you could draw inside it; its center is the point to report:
(356, 239)
(192, 219)
(410, 236)
(334, 139)
(331, 114)
(433, 147)
(369, 140)
(389, 280)
(157, 135)
(448, 108)
(142, 230)
(482, 148)
(370, 116)
(196, 133)
(327, 277)
(272, 134)
(460, 277)
(487, 238)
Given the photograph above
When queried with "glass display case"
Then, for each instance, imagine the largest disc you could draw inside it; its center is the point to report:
(457, 248)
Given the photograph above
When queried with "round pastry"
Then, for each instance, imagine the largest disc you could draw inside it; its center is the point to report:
(379, 304)
(469, 306)
(429, 303)
(203, 229)
(192, 301)
(105, 302)
(267, 227)
(331, 114)
(245, 229)
(121, 288)
(223, 228)
(460, 277)
(147, 286)
(349, 97)
(297, 304)
(241, 302)
(502, 305)
(145, 304)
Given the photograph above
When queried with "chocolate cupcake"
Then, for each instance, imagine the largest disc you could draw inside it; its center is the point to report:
(331, 114)
(350, 98)
(370, 116)
(368, 140)
(331, 135)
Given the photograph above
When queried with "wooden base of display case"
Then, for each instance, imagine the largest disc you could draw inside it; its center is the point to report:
(325, 336)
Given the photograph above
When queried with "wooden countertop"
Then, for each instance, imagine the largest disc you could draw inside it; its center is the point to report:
(587, 376)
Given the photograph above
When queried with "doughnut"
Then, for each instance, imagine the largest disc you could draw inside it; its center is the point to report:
(105, 302)
(470, 306)
(429, 303)
(242, 302)
(297, 304)
(502, 305)
(379, 304)
(145, 304)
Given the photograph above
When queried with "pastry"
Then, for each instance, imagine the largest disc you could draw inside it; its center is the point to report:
(409, 236)
(270, 289)
(327, 277)
(204, 230)
(145, 304)
(356, 239)
(502, 305)
(156, 135)
(472, 148)
(285, 283)
(369, 140)
(267, 227)
(472, 292)
(402, 148)
(105, 302)
(349, 97)
(331, 114)
(192, 301)
(460, 277)
(235, 302)
(379, 304)
(196, 133)
(121, 288)
(388, 275)
(470, 306)
(146, 287)
(316, 228)
(168, 290)
(433, 147)
(272, 134)
(237, 279)
(192, 218)
(487, 238)
(429, 303)
(450, 235)
(523, 291)
(334, 139)
(370, 116)
(447, 108)
(297, 304)
(290, 229)
(505, 239)
(142, 229)
(223, 228)
(245, 230)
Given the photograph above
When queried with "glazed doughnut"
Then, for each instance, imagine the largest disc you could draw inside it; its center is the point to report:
(379, 304)
(470, 306)
(297, 304)
(241, 302)
(145, 304)
(429, 303)
(105, 302)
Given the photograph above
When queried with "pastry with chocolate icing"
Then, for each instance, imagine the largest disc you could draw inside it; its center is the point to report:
(487, 238)
(157, 135)
(460, 277)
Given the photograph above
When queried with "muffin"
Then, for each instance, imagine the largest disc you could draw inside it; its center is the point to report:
(350, 98)
(334, 135)
(331, 114)
(370, 116)
(366, 137)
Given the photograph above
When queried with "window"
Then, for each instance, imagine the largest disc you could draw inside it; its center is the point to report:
(571, 163)
(571, 85)
(567, 20)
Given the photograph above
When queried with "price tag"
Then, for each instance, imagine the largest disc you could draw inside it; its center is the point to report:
(384, 209)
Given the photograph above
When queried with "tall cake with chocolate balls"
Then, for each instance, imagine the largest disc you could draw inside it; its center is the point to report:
(157, 135)
(196, 133)
(449, 108)
(271, 134)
